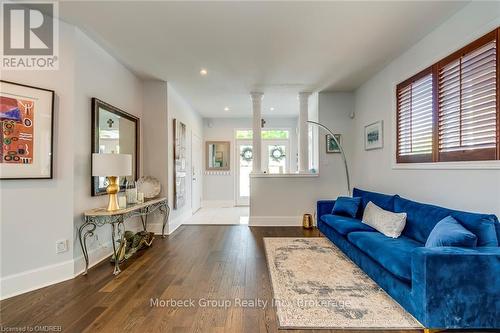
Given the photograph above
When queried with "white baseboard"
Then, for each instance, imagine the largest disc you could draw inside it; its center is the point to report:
(217, 203)
(169, 228)
(96, 255)
(27, 281)
(172, 224)
(275, 221)
(33, 279)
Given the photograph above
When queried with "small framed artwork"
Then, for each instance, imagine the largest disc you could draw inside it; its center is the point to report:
(374, 136)
(331, 145)
(26, 127)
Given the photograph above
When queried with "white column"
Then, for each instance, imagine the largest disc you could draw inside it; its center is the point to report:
(303, 131)
(257, 137)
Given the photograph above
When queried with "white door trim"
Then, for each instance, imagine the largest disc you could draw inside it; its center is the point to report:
(194, 209)
(238, 200)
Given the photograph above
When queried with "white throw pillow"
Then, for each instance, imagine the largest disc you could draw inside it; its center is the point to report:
(389, 223)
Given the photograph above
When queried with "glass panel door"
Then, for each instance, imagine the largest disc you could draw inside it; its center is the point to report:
(276, 159)
(244, 168)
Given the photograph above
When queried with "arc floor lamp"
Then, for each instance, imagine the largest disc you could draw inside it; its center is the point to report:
(341, 151)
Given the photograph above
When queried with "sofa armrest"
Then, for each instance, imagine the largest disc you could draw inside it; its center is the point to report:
(457, 287)
(324, 207)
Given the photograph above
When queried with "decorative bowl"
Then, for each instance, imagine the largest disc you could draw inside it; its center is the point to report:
(150, 186)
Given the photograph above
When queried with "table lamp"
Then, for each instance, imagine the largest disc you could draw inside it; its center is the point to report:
(111, 166)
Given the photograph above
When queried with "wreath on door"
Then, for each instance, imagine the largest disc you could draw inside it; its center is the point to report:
(277, 154)
(247, 154)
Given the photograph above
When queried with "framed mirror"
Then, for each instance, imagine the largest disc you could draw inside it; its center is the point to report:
(218, 155)
(114, 131)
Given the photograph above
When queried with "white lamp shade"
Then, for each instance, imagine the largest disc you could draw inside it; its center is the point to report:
(106, 165)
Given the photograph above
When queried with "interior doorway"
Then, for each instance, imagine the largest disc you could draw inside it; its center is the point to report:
(196, 172)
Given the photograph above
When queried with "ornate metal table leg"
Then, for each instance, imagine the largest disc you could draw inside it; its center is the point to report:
(116, 226)
(165, 210)
(83, 240)
(144, 220)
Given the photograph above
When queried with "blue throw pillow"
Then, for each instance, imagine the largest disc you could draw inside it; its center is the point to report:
(449, 232)
(346, 206)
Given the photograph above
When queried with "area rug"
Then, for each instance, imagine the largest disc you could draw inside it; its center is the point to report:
(316, 286)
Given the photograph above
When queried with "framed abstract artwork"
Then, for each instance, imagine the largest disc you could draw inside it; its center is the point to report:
(331, 145)
(26, 135)
(374, 136)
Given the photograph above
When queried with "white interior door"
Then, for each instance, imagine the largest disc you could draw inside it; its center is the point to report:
(196, 172)
(243, 168)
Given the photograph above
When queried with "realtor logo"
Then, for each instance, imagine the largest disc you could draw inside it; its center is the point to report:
(30, 32)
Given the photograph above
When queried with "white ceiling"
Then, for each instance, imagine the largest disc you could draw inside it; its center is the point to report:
(279, 48)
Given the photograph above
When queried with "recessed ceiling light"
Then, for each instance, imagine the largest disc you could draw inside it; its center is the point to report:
(203, 72)
(226, 108)
(271, 108)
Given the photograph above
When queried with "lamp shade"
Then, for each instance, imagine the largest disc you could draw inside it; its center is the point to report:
(106, 165)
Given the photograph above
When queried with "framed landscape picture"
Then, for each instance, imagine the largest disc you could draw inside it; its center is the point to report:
(26, 126)
(331, 145)
(374, 136)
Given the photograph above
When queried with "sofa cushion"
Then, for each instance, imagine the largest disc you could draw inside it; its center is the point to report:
(344, 225)
(384, 201)
(389, 223)
(394, 254)
(346, 206)
(421, 219)
(481, 225)
(449, 232)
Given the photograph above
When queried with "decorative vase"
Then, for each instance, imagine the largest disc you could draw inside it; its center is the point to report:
(307, 221)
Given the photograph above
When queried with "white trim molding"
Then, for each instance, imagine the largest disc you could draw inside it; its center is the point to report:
(96, 255)
(283, 175)
(20, 283)
(275, 221)
(217, 203)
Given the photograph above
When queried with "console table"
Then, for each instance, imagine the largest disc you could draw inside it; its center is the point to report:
(100, 216)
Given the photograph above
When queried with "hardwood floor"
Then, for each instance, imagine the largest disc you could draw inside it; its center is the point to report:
(197, 262)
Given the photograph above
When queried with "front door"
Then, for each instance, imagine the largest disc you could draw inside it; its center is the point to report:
(244, 167)
(275, 158)
(196, 169)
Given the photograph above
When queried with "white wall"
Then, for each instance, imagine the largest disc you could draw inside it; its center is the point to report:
(474, 190)
(97, 74)
(37, 213)
(155, 133)
(180, 109)
(281, 200)
(220, 188)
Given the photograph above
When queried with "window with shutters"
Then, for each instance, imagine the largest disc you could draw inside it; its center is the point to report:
(415, 107)
(450, 111)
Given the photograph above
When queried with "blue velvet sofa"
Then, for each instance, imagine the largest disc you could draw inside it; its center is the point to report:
(442, 287)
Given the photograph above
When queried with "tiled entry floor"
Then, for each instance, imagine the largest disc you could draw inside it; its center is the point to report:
(220, 215)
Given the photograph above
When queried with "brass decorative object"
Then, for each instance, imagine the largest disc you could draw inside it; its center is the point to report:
(307, 221)
(111, 166)
(112, 189)
(132, 242)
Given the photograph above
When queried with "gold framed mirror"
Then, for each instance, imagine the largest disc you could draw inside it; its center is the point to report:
(218, 155)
